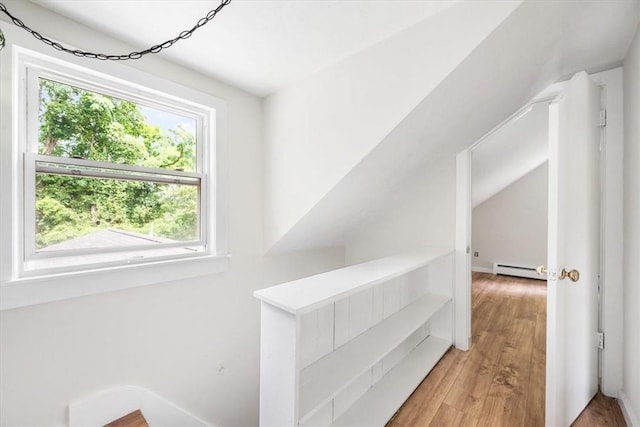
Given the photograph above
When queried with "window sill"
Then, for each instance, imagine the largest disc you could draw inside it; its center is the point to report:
(38, 290)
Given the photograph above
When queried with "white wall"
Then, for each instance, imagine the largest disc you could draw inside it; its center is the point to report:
(420, 214)
(195, 342)
(423, 213)
(511, 226)
(318, 130)
(630, 393)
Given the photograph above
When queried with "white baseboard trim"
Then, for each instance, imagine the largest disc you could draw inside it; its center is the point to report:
(108, 405)
(482, 270)
(629, 416)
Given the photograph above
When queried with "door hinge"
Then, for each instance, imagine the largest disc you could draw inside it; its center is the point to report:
(602, 120)
(468, 250)
(600, 337)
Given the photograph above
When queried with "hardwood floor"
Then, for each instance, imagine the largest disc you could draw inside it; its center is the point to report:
(500, 381)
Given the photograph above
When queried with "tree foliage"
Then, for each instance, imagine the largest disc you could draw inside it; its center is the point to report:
(77, 123)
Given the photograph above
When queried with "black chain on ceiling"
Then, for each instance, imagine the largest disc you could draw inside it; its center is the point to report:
(104, 57)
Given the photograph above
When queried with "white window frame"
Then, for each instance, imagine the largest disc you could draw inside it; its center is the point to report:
(20, 286)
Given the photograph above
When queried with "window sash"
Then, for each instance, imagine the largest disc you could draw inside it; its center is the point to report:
(112, 171)
(93, 84)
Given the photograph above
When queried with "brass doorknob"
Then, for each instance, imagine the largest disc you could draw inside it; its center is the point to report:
(573, 275)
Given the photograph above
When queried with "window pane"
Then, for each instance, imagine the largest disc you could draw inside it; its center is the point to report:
(75, 122)
(82, 212)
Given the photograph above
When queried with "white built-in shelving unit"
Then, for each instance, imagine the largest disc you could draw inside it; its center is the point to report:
(347, 347)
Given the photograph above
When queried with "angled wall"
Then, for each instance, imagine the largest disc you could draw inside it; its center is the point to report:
(494, 81)
(420, 213)
(326, 172)
(318, 130)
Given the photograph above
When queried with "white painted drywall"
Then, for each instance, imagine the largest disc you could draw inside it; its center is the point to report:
(420, 214)
(631, 324)
(318, 130)
(194, 342)
(313, 183)
(511, 226)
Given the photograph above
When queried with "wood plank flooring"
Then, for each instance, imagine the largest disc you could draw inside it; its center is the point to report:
(133, 419)
(500, 381)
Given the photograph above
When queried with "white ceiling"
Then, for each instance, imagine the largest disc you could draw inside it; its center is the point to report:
(257, 45)
(509, 153)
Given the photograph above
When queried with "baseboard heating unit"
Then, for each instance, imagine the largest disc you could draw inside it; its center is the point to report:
(517, 270)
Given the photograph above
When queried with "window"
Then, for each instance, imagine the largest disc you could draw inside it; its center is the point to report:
(113, 174)
(109, 178)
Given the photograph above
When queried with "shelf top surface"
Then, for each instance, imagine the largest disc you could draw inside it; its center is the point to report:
(309, 293)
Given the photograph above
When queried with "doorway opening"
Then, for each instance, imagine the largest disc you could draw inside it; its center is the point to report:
(495, 175)
(509, 213)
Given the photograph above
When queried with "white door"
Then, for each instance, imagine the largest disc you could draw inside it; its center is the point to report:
(574, 236)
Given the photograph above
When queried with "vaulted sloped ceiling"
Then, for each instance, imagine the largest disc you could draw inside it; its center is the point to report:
(533, 46)
(320, 133)
(509, 153)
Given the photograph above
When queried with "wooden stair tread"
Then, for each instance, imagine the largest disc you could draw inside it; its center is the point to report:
(133, 419)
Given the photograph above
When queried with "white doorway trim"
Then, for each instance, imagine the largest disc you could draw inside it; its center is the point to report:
(462, 306)
(462, 292)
